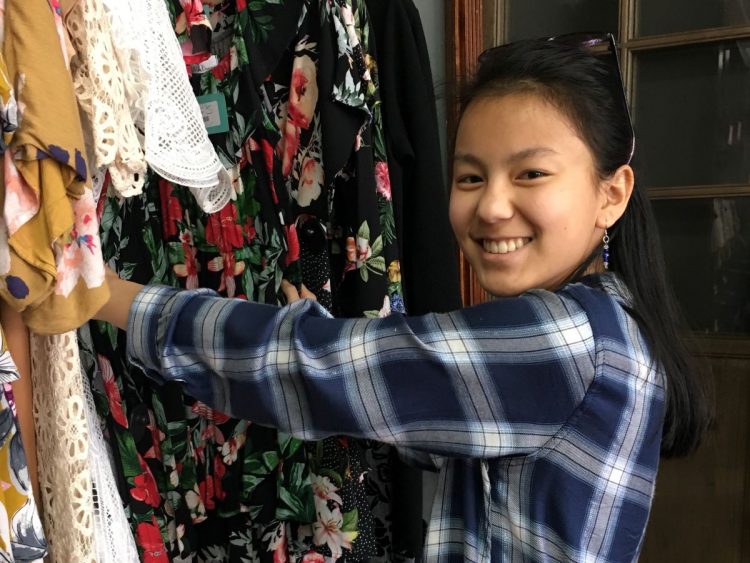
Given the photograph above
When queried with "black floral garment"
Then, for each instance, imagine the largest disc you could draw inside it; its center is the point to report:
(312, 203)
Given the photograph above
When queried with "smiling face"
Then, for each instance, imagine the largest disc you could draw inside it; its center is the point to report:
(526, 205)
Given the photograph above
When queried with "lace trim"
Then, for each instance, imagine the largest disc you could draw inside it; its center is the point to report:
(177, 144)
(112, 534)
(100, 89)
(62, 448)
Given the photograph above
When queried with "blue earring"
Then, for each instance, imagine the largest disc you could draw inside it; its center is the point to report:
(605, 253)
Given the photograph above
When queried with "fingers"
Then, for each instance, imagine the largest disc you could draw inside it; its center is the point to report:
(292, 294)
(307, 294)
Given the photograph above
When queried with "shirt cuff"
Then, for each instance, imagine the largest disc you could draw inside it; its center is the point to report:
(149, 320)
(149, 313)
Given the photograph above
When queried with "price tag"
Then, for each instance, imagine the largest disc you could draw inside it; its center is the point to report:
(214, 112)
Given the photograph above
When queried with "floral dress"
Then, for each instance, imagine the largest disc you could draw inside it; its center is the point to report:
(21, 534)
(311, 202)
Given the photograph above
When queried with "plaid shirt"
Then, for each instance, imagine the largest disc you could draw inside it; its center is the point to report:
(543, 413)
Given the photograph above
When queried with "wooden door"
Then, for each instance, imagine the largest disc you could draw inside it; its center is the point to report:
(701, 511)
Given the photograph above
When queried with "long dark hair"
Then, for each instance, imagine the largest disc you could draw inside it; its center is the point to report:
(581, 86)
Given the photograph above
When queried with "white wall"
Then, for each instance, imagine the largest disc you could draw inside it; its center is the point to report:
(432, 13)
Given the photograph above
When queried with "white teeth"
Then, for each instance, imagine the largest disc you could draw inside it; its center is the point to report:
(504, 246)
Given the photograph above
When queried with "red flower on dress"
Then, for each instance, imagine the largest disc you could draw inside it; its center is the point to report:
(113, 392)
(225, 64)
(303, 91)
(206, 489)
(171, 210)
(151, 542)
(145, 489)
(241, 5)
(293, 244)
(203, 410)
(222, 229)
(313, 557)
(190, 268)
(268, 161)
(219, 472)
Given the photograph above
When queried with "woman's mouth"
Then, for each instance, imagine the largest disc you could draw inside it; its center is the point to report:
(504, 246)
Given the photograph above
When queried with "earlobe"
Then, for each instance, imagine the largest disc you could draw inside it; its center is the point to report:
(617, 191)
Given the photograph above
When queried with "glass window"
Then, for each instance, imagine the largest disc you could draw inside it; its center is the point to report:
(707, 250)
(692, 115)
(529, 19)
(656, 17)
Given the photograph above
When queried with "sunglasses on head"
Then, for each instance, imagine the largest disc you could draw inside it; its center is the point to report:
(600, 45)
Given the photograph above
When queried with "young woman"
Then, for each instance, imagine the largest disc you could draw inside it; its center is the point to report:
(545, 410)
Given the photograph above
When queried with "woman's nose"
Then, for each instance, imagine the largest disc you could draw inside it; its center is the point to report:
(496, 203)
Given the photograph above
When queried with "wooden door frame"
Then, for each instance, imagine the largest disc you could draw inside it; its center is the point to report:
(464, 42)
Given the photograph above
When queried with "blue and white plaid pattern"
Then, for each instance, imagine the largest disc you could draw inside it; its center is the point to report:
(542, 413)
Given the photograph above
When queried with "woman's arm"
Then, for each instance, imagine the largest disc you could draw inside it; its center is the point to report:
(497, 379)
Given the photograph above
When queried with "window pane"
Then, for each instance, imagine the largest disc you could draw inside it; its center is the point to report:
(529, 19)
(707, 249)
(692, 115)
(671, 16)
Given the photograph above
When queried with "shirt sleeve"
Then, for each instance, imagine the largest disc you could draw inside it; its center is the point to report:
(497, 379)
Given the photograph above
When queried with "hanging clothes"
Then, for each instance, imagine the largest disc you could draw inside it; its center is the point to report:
(428, 248)
(21, 534)
(220, 489)
(53, 273)
(62, 436)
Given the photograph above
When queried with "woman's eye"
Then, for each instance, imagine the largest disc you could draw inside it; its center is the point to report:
(469, 179)
(532, 175)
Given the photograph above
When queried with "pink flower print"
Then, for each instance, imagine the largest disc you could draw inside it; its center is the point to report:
(364, 251)
(288, 146)
(313, 557)
(383, 180)
(324, 489)
(21, 201)
(80, 256)
(310, 183)
(351, 255)
(303, 93)
(327, 531)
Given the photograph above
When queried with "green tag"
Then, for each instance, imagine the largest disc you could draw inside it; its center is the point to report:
(214, 112)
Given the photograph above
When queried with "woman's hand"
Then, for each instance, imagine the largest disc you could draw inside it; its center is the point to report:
(292, 294)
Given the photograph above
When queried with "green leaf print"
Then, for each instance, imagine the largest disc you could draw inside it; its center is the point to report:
(377, 246)
(296, 509)
(387, 220)
(351, 519)
(376, 264)
(128, 454)
(271, 460)
(364, 231)
(288, 444)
